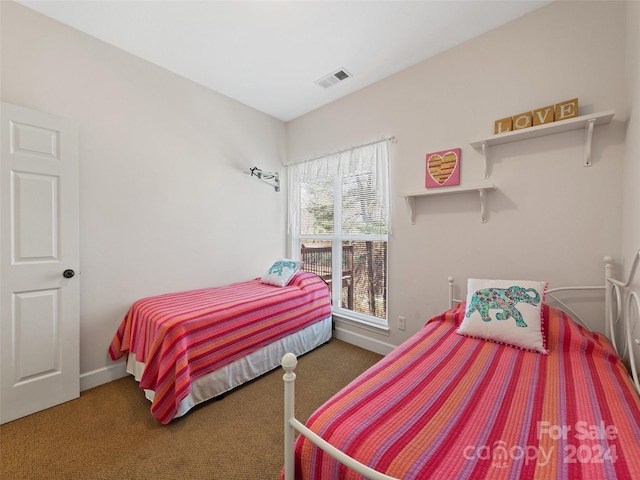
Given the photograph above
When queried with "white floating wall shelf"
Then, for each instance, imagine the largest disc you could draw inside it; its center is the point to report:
(410, 198)
(585, 121)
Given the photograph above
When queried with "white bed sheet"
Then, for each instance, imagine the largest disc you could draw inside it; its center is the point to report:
(244, 369)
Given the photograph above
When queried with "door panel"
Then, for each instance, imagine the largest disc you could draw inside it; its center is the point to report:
(39, 330)
(34, 140)
(34, 215)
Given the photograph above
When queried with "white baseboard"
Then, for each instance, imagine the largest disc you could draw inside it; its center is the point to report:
(102, 375)
(368, 343)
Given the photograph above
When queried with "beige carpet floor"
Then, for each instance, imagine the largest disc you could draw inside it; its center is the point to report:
(108, 433)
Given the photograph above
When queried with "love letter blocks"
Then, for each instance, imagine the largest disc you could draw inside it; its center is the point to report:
(503, 125)
(539, 116)
(568, 109)
(544, 115)
(522, 120)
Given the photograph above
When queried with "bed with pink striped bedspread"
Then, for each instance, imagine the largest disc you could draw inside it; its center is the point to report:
(183, 336)
(447, 406)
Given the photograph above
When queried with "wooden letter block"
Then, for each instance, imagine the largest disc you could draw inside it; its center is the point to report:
(502, 125)
(543, 115)
(568, 109)
(521, 121)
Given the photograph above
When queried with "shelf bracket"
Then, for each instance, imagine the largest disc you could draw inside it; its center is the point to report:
(587, 141)
(485, 153)
(411, 205)
(483, 205)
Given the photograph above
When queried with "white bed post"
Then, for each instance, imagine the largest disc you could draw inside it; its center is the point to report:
(608, 273)
(289, 362)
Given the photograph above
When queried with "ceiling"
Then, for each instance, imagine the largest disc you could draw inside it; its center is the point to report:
(270, 54)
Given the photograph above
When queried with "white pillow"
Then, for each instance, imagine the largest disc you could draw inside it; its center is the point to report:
(506, 311)
(281, 272)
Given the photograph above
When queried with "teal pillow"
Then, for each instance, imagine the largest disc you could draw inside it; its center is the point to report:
(281, 272)
(506, 311)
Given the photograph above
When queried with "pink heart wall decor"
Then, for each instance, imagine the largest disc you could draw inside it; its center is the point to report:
(443, 168)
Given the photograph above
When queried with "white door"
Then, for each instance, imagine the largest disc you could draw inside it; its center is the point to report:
(39, 305)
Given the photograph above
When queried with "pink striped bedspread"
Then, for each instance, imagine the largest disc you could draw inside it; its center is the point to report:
(183, 336)
(446, 406)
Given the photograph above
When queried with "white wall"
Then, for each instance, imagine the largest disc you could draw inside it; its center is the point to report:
(631, 169)
(164, 205)
(551, 218)
(631, 207)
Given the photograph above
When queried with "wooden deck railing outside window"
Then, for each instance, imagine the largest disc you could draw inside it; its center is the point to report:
(318, 260)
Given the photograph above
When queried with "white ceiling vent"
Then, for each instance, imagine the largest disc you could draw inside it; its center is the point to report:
(333, 78)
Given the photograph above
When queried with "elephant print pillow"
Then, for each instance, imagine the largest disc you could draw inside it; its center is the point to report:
(281, 272)
(506, 311)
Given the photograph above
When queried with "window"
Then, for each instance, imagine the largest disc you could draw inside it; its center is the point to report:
(338, 211)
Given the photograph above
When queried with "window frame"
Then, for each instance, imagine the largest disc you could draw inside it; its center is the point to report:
(336, 238)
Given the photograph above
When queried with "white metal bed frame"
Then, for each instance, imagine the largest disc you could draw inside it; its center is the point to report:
(625, 309)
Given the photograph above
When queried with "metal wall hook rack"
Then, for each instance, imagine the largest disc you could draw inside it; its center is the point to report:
(272, 178)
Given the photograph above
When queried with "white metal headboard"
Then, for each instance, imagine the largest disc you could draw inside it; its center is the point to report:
(622, 306)
(625, 309)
